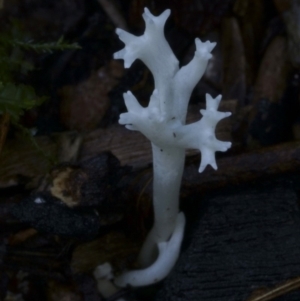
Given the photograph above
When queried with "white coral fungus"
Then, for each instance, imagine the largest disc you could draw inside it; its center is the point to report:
(163, 123)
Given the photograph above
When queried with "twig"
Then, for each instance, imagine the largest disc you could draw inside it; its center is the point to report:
(114, 14)
(280, 290)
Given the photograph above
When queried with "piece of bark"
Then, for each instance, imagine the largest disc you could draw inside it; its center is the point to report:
(21, 162)
(128, 146)
(244, 240)
(243, 168)
(290, 14)
(84, 105)
(47, 215)
(234, 169)
(234, 61)
(269, 119)
(251, 20)
(273, 71)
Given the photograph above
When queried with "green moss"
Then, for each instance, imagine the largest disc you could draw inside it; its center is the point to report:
(16, 97)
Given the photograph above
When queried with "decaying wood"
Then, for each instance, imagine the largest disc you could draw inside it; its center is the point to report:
(234, 61)
(128, 146)
(290, 13)
(243, 240)
(244, 168)
(232, 169)
(272, 75)
(251, 20)
(21, 162)
(268, 121)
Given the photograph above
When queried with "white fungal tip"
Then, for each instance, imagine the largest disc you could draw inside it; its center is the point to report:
(211, 46)
(147, 11)
(227, 146)
(127, 94)
(127, 64)
(166, 13)
(118, 31)
(119, 54)
(218, 98)
(214, 165)
(201, 168)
